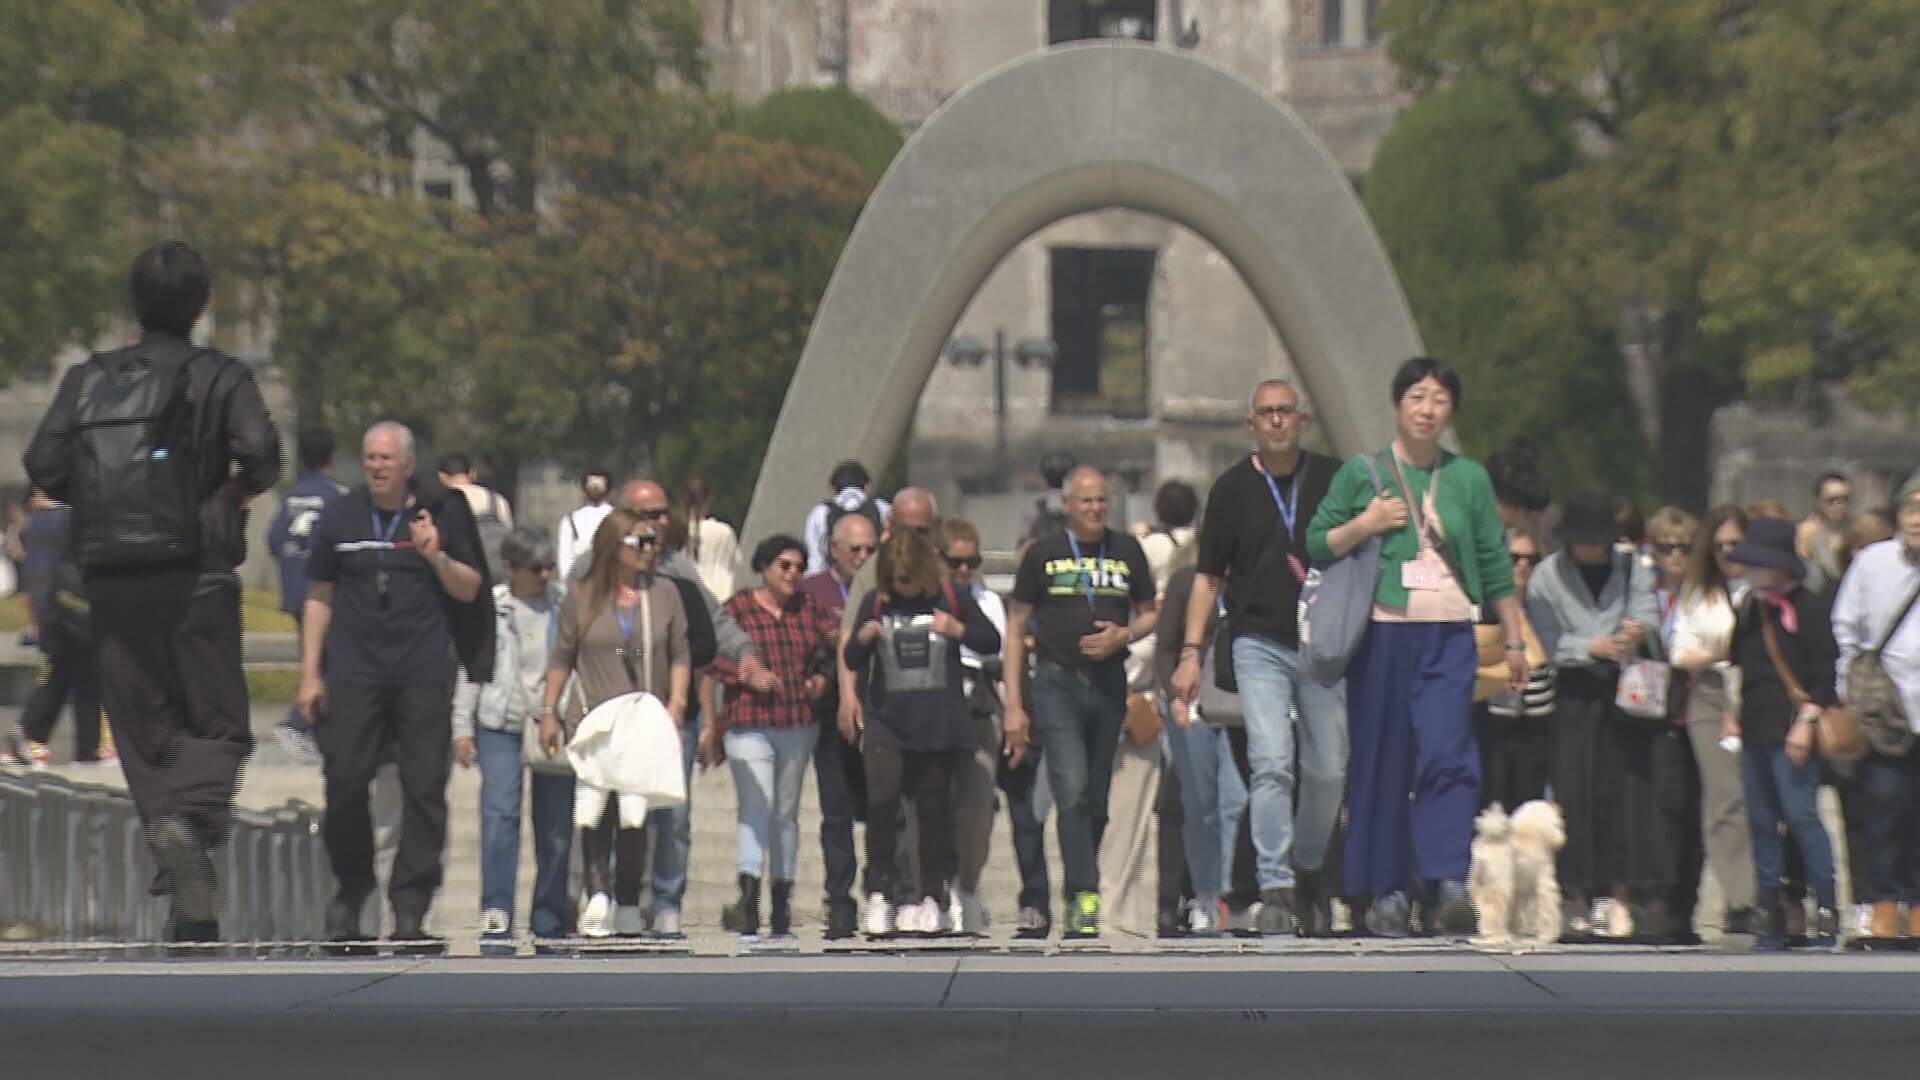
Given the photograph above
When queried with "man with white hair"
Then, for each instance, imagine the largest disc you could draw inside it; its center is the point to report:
(391, 568)
(838, 767)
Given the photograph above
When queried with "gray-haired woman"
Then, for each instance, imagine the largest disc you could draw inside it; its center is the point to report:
(487, 728)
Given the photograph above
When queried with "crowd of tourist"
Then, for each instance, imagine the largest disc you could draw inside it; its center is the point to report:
(1681, 686)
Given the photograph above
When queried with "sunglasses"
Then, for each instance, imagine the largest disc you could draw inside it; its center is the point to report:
(971, 562)
(1671, 549)
(1726, 546)
(645, 540)
(862, 549)
(1526, 558)
(1277, 414)
(788, 566)
(541, 568)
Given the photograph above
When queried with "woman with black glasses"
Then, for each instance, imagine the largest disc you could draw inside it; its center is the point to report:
(623, 631)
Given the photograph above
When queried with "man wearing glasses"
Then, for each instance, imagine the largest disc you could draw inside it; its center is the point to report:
(1819, 538)
(385, 574)
(1253, 546)
(1088, 594)
(837, 765)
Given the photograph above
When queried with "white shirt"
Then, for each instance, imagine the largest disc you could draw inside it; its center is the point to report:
(1703, 622)
(1873, 592)
(995, 610)
(719, 552)
(574, 537)
(815, 534)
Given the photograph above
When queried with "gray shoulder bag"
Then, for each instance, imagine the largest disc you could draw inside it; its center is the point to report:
(1336, 604)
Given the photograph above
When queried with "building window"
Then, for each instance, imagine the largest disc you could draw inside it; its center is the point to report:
(1079, 20)
(1349, 24)
(1332, 22)
(1100, 325)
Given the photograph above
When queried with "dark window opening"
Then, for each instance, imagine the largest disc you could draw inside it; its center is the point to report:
(1100, 325)
(1079, 20)
(1332, 22)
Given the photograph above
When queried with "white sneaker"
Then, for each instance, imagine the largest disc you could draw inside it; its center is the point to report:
(1611, 919)
(933, 916)
(596, 919)
(956, 912)
(879, 921)
(495, 923)
(666, 922)
(1862, 921)
(628, 921)
(1203, 917)
(972, 917)
(1243, 923)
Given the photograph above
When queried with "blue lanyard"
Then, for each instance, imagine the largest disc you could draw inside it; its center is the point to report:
(1086, 579)
(1291, 503)
(392, 528)
(845, 596)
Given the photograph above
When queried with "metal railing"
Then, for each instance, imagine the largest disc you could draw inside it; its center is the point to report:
(74, 867)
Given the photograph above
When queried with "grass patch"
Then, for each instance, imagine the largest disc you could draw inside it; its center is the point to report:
(259, 613)
(273, 685)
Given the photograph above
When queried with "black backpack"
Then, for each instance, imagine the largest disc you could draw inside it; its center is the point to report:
(138, 481)
(869, 508)
(1047, 520)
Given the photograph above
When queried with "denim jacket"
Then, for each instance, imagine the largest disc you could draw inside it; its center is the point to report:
(488, 704)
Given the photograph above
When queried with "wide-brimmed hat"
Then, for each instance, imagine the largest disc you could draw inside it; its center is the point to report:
(1587, 518)
(1769, 545)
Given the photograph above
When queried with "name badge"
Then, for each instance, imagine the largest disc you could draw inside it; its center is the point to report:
(1421, 574)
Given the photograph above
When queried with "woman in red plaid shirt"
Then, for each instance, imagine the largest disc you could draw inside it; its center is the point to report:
(767, 729)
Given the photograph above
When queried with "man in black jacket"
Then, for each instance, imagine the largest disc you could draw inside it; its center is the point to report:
(166, 628)
(397, 588)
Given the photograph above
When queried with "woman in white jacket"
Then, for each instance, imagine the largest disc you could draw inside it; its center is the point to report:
(487, 729)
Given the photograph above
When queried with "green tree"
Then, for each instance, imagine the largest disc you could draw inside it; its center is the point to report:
(1745, 217)
(89, 91)
(831, 118)
(1451, 191)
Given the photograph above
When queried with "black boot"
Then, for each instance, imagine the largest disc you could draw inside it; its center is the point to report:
(743, 916)
(780, 918)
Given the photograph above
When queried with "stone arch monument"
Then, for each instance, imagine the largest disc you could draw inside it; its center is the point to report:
(1062, 132)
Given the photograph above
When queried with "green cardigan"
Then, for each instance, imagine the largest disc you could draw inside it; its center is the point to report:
(1475, 538)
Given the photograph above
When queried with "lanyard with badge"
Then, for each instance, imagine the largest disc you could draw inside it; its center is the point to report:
(1086, 578)
(625, 620)
(382, 582)
(1426, 570)
(1287, 509)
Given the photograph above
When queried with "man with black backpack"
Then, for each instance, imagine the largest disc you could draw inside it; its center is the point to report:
(849, 491)
(158, 447)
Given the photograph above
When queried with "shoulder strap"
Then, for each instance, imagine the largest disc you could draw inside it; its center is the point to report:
(1905, 610)
(1794, 689)
(646, 631)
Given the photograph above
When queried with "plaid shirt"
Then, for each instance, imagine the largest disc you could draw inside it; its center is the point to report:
(788, 644)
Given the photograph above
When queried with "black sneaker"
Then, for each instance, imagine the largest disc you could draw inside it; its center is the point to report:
(1390, 916)
(843, 919)
(1311, 909)
(1453, 913)
(1276, 912)
(1032, 924)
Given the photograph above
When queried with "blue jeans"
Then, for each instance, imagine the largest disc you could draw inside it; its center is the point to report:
(1778, 790)
(769, 769)
(501, 774)
(672, 832)
(1271, 690)
(1196, 751)
(1077, 718)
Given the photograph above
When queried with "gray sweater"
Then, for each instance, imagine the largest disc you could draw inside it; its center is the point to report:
(1566, 615)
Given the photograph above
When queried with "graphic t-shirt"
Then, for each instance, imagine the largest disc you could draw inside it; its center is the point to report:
(1072, 584)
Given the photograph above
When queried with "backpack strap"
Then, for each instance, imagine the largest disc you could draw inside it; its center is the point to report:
(1905, 610)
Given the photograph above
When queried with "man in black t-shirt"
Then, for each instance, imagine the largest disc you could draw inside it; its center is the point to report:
(385, 572)
(1087, 594)
(1254, 542)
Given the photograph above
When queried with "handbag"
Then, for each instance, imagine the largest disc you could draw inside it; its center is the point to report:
(1837, 736)
(1875, 700)
(1143, 719)
(1645, 689)
(1336, 604)
(1219, 705)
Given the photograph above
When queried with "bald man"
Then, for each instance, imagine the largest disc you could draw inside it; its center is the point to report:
(1088, 593)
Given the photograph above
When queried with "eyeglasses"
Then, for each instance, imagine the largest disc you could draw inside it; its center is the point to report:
(1089, 500)
(971, 562)
(542, 568)
(862, 549)
(788, 566)
(1276, 414)
(654, 515)
(1671, 549)
(1525, 558)
(640, 540)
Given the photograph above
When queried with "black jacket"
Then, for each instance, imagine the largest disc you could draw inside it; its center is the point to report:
(239, 443)
(472, 622)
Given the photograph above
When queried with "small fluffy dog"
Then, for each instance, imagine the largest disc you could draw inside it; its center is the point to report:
(1512, 881)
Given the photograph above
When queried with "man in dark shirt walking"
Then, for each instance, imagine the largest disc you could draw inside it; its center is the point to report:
(837, 764)
(159, 526)
(291, 538)
(1253, 547)
(1088, 593)
(387, 570)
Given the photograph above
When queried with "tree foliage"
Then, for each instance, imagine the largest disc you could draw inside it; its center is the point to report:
(832, 118)
(1745, 216)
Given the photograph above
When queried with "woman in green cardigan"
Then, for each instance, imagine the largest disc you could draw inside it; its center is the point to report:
(1410, 685)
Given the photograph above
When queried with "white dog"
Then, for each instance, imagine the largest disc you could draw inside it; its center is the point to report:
(1512, 881)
